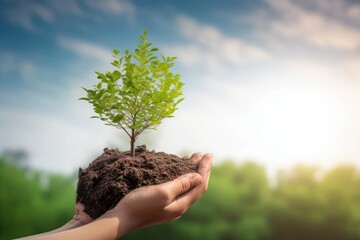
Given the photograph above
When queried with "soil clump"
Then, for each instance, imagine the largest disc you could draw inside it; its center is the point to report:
(114, 174)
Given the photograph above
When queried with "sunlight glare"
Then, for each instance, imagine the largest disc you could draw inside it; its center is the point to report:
(293, 123)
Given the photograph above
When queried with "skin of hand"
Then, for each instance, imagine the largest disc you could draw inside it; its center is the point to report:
(142, 207)
(165, 202)
(80, 218)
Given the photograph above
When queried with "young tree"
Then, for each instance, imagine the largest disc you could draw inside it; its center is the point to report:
(139, 93)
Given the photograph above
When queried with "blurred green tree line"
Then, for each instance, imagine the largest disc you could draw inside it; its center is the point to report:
(241, 203)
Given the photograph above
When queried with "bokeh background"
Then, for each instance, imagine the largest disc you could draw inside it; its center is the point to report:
(272, 90)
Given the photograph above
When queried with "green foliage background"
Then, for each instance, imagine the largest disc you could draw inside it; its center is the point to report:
(241, 203)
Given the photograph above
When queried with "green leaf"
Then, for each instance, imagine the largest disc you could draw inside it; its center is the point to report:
(154, 50)
(116, 63)
(118, 118)
(179, 101)
(86, 90)
(140, 92)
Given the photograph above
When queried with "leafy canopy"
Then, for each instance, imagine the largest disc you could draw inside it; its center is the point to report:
(139, 93)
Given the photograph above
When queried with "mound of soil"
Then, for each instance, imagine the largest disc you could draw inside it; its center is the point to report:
(114, 174)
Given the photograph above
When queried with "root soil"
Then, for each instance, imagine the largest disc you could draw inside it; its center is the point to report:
(114, 174)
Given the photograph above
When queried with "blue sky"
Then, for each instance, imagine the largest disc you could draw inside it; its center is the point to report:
(273, 81)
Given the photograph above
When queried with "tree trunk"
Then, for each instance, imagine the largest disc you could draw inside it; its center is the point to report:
(132, 143)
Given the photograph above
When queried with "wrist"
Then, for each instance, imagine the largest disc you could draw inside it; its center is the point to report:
(119, 223)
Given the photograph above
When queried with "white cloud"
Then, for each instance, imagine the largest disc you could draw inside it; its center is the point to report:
(28, 73)
(118, 7)
(69, 7)
(209, 47)
(13, 63)
(86, 49)
(353, 66)
(27, 70)
(191, 55)
(354, 12)
(345, 11)
(312, 26)
(7, 62)
(291, 110)
(291, 113)
(26, 12)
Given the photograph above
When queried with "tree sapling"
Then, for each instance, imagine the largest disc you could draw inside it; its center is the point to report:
(139, 93)
(134, 97)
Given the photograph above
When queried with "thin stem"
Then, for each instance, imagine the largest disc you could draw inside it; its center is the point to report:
(132, 142)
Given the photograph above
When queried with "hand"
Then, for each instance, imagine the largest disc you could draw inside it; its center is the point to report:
(161, 203)
(80, 218)
(140, 208)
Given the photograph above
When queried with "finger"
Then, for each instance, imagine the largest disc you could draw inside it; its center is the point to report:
(204, 168)
(183, 202)
(181, 185)
(195, 158)
(187, 199)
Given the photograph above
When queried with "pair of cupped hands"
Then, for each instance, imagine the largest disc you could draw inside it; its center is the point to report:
(140, 208)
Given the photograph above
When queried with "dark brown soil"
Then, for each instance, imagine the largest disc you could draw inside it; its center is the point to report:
(114, 174)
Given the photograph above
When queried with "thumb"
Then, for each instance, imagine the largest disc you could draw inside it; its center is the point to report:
(182, 184)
